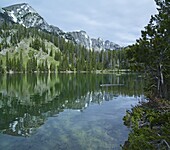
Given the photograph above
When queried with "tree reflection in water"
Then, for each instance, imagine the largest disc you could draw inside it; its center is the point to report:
(27, 101)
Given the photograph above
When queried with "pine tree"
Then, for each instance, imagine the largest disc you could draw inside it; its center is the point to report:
(7, 62)
(51, 53)
(36, 44)
(57, 56)
(46, 66)
(43, 46)
(52, 67)
(1, 67)
(152, 50)
(21, 68)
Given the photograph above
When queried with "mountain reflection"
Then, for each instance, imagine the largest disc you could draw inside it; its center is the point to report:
(26, 101)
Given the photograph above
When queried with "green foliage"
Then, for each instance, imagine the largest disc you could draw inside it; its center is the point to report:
(36, 44)
(150, 123)
(151, 53)
(1, 67)
(32, 65)
(52, 67)
(70, 57)
(51, 53)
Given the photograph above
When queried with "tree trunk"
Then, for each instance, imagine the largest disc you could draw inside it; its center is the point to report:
(161, 85)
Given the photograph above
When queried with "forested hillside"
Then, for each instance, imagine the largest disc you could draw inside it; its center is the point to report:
(31, 50)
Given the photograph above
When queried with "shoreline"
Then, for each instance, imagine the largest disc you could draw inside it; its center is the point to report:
(118, 72)
(150, 125)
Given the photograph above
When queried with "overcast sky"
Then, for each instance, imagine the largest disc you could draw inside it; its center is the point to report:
(119, 21)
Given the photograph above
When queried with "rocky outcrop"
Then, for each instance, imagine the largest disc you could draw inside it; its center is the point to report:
(81, 37)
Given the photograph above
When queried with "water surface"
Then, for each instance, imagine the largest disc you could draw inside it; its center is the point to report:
(66, 111)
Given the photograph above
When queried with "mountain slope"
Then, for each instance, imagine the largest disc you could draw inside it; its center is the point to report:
(82, 38)
(4, 17)
(25, 15)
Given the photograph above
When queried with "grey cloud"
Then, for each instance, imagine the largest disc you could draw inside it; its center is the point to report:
(117, 20)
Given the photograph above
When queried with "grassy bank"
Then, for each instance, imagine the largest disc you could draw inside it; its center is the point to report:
(150, 124)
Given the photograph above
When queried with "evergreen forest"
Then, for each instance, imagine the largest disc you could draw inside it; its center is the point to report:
(31, 50)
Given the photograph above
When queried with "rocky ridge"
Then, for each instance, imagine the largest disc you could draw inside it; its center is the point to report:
(25, 15)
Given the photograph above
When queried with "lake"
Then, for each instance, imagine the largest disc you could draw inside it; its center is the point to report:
(66, 111)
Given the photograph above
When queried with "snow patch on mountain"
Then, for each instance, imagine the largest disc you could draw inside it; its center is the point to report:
(13, 16)
(2, 11)
(25, 15)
